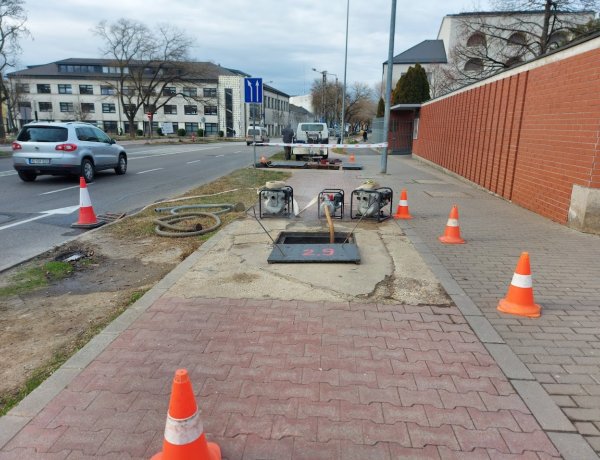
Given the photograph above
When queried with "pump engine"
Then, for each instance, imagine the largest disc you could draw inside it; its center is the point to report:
(275, 200)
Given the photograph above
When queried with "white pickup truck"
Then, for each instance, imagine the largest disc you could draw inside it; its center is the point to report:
(311, 133)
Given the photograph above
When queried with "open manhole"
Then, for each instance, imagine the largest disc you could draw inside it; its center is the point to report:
(314, 247)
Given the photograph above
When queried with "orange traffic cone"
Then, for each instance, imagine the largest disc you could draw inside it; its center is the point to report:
(452, 233)
(519, 300)
(351, 158)
(184, 435)
(402, 209)
(87, 217)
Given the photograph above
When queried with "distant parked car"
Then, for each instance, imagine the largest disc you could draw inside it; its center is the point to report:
(69, 148)
(258, 134)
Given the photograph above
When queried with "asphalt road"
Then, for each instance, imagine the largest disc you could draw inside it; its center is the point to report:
(36, 216)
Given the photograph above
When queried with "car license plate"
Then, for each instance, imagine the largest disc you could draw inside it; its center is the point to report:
(39, 161)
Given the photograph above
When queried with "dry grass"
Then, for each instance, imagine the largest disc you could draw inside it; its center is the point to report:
(238, 187)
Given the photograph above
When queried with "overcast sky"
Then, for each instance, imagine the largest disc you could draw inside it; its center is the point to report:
(278, 40)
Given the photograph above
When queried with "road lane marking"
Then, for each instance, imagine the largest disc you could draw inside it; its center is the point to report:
(149, 170)
(217, 156)
(7, 173)
(195, 161)
(59, 190)
(67, 210)
(171, 153)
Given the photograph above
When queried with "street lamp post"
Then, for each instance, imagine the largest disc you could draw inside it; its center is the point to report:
(324, 84)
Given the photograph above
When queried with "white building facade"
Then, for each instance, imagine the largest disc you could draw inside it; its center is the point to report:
(83, 90)
(472, 46)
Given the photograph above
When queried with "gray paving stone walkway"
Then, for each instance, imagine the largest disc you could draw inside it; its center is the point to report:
(562, 348)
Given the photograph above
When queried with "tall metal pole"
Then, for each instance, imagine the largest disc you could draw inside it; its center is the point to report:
(345, 69)
(323, 97)
(388, 88)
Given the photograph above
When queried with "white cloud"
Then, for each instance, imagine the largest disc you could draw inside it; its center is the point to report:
(277, 40)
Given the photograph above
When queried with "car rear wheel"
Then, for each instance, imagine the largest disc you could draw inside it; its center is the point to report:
(122, 166)
(87, 170)
(27, 176)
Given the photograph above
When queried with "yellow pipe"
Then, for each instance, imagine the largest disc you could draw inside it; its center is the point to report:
(330, 224)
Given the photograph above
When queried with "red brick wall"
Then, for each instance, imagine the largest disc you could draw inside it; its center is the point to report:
(527, 137)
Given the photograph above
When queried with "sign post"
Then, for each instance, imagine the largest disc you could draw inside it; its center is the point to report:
(253, 94)
(150, 116)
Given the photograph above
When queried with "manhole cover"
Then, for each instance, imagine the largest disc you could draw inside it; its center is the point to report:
(446, 194)
(314, 247)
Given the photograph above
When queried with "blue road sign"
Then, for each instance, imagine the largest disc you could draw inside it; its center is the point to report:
(253, 90)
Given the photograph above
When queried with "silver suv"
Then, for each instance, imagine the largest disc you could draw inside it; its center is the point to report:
(59, 149)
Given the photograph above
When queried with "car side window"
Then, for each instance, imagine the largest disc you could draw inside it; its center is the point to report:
(88, 134)
(101, 136)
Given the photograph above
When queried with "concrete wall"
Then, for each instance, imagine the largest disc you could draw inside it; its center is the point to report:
(529, 134)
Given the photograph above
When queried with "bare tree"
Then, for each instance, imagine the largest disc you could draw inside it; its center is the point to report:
(150, 68)
(517, 31)
(361, 108)
(12, 27)
(327, 100)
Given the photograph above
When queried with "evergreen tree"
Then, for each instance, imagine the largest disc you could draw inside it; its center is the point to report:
(380, 108)
(412, 88)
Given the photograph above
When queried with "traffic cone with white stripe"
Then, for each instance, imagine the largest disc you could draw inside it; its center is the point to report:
(402, 209)
(519, 300)
(184, 434)
(452, 233)
(87, 217)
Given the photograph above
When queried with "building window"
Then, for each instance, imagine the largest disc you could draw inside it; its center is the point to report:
(110, 126)
(188, 91)
(517, 39)
(170, 109)
(22, 87)
(45, 106)
(65, 89)
(191, 128)
(474, 65)
(112, 69)
(211, 129)
(24, 105)
(79, 68)
(129, 108)
(107, 90)
(87, 107)
(128, 90)
(86, 89)
(108, 108)
(210, 110)
(190, 109)
(43, 88)
(477, 39)
(210, 92)
(66, 107)
(169, 91)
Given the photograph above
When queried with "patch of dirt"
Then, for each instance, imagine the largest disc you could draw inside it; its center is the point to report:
(57, 319)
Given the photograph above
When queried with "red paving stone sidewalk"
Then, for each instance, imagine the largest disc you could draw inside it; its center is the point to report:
(293, 380)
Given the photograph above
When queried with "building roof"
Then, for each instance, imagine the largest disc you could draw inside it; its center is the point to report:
(206, 70)
(426, 52)
(299, 110)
